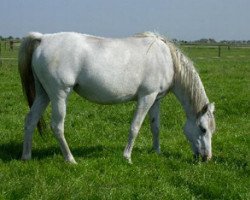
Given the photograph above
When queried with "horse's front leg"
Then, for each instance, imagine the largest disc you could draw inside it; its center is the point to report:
(143, 105)
(58, 106)
(154, 117)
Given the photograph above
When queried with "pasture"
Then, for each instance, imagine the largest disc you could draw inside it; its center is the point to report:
(97, 135)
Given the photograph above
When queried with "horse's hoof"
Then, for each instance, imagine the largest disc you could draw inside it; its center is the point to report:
(26, 158)
(128, 160)
(158, 151)
(154, 150)
(71, 161)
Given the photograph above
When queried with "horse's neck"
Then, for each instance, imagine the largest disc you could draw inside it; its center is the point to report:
(184, 100)
(190, 91)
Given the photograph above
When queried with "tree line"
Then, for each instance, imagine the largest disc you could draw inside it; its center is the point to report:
(214, 42)
(9, 38)
(200, 41)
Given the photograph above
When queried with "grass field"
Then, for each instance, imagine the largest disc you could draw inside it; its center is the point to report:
(97, 135)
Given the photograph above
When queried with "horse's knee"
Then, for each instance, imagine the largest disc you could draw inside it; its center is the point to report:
(29, 128)
(57, 129)
(134, 131)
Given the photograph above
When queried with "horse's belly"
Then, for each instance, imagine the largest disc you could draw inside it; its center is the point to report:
(105, 95)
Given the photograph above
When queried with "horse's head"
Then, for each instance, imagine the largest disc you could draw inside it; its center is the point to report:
(199, 132)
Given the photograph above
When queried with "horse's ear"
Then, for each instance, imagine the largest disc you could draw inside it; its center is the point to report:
(211, 107)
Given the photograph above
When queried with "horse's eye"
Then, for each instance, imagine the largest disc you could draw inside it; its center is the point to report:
(203, 130)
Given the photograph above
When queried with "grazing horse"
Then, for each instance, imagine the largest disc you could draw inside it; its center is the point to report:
(143, 68)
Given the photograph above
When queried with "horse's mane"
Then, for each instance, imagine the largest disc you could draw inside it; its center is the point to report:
(188, 78)
(186, 75)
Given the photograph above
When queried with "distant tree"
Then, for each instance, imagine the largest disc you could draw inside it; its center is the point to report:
(203, 40)
(206, 41)
(10, 38)
(175, 40)
(184, 41)
(224, 42)
(210, 40)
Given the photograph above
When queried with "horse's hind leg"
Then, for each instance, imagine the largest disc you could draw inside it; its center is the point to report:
(144, 104)
(154, 117)
(32, 118)
(58, 105)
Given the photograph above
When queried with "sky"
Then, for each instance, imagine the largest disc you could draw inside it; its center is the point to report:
(177, 19)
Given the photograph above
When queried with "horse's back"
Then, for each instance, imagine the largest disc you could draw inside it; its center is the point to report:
(102, 69)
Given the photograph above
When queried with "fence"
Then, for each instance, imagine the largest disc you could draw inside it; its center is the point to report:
(8, 53)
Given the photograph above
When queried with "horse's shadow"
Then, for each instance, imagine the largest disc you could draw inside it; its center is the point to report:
(13, 150)
(10, 151)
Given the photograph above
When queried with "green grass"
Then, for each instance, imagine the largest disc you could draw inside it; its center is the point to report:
(97, 135)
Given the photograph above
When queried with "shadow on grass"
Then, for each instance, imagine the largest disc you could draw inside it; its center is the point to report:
(199, 191)
(235, 162)
(173, 155)
(10, 151)
(232, 162)
(13, 150)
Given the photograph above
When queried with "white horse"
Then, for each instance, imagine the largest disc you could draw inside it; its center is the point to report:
(144, 68)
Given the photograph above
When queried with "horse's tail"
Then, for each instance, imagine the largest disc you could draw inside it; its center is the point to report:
(26, 50)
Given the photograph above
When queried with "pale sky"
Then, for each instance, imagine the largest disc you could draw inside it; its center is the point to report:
(180, 19)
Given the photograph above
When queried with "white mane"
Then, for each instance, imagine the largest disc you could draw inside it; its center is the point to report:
(188, 78)
(186, 75)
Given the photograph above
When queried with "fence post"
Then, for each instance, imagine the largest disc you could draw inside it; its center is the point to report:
(219, 51)
(1, 54)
